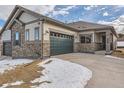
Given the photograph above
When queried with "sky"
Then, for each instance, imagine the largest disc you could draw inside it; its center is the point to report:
(103, 14)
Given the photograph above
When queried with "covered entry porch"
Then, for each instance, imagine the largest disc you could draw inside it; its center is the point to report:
(93, 41)
(104, 41)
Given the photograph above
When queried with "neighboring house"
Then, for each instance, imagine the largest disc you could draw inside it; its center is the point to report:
(120, 41)
(34, 35)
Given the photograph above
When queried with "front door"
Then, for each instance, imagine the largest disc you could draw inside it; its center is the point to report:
(104, 42)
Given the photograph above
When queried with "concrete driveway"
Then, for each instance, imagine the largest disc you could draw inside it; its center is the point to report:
(107, 72)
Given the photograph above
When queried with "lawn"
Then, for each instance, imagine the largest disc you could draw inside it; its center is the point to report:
(22, 73)
(119, 52)
(50, 73)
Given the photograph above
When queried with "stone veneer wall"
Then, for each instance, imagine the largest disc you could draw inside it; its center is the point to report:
(46, 48)
(76, 47)
(28, 49)
(87, 47)
(97, 47)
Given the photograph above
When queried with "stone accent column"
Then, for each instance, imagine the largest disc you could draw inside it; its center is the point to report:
(1, 46)
(108, 49)
(46, 48)
(46, 43)
(93, 37)
(76, 45)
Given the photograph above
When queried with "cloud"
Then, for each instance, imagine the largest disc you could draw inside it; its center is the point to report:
(118, 24)
(49, 10)
(62, 11)
(120, 6)
(105, 14)
(87, 8)
(5, 11)
(90, 7)
(42, 9)
(68, 8)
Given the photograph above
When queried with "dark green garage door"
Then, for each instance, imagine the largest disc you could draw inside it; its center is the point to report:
(60, 43)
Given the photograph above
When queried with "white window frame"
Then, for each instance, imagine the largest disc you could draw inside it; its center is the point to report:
(37, 33)
(27, 35)
(86, 37)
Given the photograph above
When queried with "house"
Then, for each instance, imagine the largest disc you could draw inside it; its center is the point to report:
(120, 42)
(29, 34)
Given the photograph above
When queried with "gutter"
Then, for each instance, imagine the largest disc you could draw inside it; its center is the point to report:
(104, 28)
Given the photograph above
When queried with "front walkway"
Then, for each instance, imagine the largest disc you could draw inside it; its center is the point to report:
(107, 71)
(4, 57)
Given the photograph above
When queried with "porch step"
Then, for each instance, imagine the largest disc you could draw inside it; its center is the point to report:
(100, 52)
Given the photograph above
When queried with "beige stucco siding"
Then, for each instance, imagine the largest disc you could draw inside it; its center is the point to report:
(59, 29)
(6, 35)
(31, 28)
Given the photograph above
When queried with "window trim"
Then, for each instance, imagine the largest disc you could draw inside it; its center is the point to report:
(19, 39)
(27, 30)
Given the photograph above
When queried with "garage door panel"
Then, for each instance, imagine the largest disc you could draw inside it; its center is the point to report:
(61, 45)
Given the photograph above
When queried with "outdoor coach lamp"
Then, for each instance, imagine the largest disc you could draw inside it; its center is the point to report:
(46, 31)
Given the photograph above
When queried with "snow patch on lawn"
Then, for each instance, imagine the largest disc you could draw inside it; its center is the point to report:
(62, 74)
(12, 84)
(9, 64)
(114, 57)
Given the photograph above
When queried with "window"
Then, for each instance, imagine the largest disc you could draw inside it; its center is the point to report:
(82, 39)
(86, 39)
(37, 33)
(27, 35)
(17, 38)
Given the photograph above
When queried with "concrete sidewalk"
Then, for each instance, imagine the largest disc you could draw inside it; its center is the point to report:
(107, 72)
(4, 57)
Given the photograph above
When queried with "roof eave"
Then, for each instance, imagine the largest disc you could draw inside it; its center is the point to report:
(105, 28)
(62, 24)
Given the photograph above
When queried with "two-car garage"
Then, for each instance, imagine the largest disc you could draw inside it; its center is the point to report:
(60, 43)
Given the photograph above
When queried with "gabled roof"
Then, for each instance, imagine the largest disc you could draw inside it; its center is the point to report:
(82, 25)
(39, 16)
(88, 26)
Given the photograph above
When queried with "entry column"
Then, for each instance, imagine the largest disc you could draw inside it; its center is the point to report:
(108, 50)
(1, 45)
